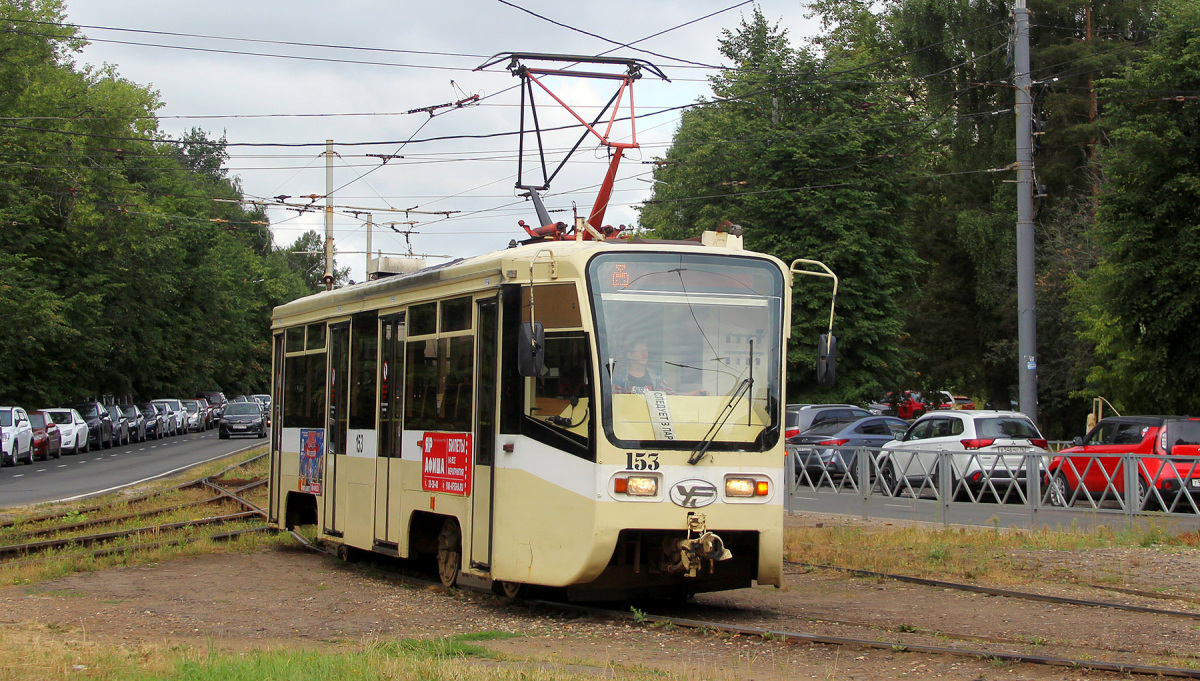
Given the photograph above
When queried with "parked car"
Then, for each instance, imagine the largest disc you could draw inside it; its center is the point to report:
(1169, 460)
(207, 411)
(801, 417)
(47, 438)
(173, 415)
(907, 405)
(216, 400)
(265, 401)
(194, 416)
(16, 436)
(120, 424)
(72, 427)
(137, 422)
(100, 425)
(243, 418)
(831, 446)
(155, 423)
(947, 401)
(984, 445)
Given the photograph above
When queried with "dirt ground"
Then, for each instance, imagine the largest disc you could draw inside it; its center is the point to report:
(293, 598)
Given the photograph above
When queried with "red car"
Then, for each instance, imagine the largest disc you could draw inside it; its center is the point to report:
(1169, 461)
(909, 405)
(947, 401)
(47, 439)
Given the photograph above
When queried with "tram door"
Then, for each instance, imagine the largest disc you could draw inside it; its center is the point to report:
(335, 427)
(391, 408)
(487, 334)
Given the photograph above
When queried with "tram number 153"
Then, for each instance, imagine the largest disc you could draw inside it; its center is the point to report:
(641, 461)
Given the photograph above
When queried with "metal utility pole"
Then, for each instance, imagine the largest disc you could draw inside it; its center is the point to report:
(1026, 291)
(367, 271)
(329, 215)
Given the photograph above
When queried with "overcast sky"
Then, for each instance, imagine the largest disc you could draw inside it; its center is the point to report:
(321, 99)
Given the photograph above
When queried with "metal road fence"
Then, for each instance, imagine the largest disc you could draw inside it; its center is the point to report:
(1011, 489)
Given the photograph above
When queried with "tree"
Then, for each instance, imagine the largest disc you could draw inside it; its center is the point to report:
(812, 170)
(134, 270)
(307, 256)
(1140, 305)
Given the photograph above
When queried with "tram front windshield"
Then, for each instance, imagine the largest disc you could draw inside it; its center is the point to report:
(689, 349)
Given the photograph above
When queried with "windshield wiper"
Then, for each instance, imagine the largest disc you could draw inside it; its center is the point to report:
(702, 447)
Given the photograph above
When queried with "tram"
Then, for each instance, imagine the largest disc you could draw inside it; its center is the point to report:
(600, 415)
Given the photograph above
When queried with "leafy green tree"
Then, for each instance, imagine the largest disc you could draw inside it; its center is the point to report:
(1140, 305)
(134, 271)
(306, 255)
(812, 169)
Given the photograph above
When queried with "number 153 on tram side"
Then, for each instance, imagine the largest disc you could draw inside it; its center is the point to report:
(602, 416)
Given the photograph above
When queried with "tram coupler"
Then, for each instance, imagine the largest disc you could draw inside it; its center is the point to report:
(699, 549)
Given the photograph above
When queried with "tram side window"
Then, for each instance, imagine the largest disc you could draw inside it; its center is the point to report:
(459, 379)
(316, 337)
(363, 350)
(304, 390)
(456, 314)
(422, 319)
(439, 376)
(421, 384)
(295, 339)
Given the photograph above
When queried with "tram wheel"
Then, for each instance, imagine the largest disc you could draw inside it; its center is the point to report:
(512, 589)
(449, 555)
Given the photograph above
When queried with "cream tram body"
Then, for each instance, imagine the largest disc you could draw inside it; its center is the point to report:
(402, 424)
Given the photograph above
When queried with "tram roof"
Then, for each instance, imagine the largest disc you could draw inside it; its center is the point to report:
(502, 264)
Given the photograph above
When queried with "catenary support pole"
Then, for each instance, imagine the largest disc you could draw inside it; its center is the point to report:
(1026, 292)
(329, 215)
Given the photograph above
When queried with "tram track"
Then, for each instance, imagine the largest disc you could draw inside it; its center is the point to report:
(1010, 593)
(897, 643)
(43, 524)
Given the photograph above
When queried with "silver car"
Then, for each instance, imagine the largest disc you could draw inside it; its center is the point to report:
(172, 418)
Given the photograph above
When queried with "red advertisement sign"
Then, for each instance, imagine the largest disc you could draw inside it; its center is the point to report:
(446, 463)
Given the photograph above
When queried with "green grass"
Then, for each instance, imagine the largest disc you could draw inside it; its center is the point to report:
(1000, 556)
(454, 657)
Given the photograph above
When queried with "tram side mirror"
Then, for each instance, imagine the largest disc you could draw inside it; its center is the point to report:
(531, 349)
(826, 359)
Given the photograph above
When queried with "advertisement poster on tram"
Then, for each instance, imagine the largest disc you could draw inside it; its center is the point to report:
(446, 463)
(312, 451)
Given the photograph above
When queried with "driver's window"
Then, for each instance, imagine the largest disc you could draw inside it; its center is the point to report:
(1130, 434)
(1101, 434)
(920, 431)
(561, 395)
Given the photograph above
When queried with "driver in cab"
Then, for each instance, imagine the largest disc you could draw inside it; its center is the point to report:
(634, 376)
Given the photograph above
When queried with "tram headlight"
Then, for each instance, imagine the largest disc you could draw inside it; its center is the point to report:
(746, 487)
(636, 486)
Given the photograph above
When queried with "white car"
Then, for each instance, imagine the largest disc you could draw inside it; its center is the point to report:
(175, 415)
(193, 416)
(16, 436)
(73, 428)
(989, 451)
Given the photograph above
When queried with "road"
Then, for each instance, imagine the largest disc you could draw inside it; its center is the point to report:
(76, 475)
